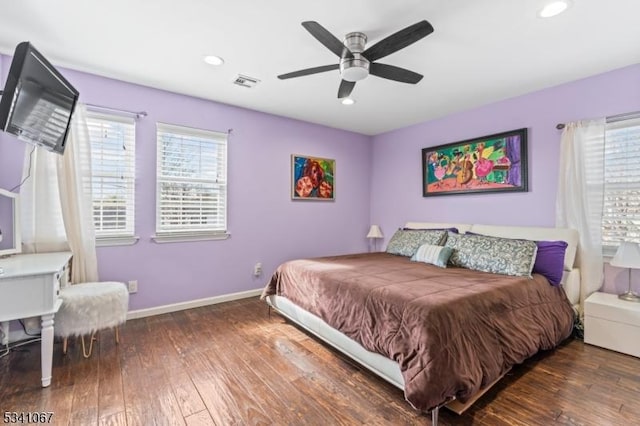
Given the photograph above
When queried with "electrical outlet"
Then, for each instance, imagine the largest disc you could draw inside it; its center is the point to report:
(133, 286)
(257, 270)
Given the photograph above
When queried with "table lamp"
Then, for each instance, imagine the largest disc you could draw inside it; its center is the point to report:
(374, 233)
(627, 256)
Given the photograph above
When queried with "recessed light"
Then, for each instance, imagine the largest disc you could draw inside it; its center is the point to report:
(348, 101)
(554, 8)
(214, 60)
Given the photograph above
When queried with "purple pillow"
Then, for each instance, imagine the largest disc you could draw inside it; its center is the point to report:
(550, 260)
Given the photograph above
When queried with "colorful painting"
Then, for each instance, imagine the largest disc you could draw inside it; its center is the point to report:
(313, 178)
(493, 163)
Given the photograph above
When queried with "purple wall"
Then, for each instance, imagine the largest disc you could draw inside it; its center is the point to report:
(265, 225)
(396, 194)
(378, 181)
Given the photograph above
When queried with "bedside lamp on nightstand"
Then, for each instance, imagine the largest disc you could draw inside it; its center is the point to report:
(627, 256)
(374, 233)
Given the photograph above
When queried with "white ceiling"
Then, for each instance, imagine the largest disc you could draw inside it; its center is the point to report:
(481, 50)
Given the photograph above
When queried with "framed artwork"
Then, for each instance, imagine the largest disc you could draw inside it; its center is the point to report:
(312, 178)
(494, 163)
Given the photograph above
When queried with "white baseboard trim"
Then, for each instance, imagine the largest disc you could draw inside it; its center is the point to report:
(174, 307)
(19, 335)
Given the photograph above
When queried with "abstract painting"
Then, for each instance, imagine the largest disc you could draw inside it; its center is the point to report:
(494, 163)
(312, 178)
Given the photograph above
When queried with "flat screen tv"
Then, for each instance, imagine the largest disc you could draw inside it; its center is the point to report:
(37, 101)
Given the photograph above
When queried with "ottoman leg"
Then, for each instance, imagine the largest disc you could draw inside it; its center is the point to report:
(65, 341)
(117, 335)
(84, 352)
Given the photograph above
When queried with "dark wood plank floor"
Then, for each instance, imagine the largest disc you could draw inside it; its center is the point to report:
(232, 364)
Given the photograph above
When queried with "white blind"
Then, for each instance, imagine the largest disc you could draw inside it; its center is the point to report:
(621, 213)
(113, 173)
(192, 181)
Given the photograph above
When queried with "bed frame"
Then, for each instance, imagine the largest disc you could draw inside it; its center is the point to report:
(388, 369)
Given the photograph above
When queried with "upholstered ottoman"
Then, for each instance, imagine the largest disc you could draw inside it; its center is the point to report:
(89, 307)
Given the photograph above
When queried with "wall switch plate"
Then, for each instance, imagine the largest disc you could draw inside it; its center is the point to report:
(133, 286)
(257, 270)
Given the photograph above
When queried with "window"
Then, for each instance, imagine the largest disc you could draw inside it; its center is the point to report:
(191, 184)
(621, 210)
(113, 176)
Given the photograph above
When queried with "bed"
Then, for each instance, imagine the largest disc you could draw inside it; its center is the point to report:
(443, 335)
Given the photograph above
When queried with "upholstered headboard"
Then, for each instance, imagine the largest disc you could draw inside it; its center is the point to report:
(462, 227)
(571, 278)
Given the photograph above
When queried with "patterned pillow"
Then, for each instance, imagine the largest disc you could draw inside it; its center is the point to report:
(549, 259)
(406, 242)
(492, 254)
(435, 255)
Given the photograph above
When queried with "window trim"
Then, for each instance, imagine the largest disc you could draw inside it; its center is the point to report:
(183, 235)
(612, 124)
(186, 237)
(107, 241)
(122, 237)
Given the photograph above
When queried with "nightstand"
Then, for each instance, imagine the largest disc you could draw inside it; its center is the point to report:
(612, 323)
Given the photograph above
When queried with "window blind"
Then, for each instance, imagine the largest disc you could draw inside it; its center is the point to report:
(191, 181)
(621, 211)
(113, 173)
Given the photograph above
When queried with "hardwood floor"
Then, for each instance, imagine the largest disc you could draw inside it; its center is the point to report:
(232, 364)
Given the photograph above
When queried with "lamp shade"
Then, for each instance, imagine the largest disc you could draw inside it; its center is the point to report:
(375, 232)
(627, 256)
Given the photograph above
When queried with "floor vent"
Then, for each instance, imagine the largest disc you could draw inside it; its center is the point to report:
(245, 81)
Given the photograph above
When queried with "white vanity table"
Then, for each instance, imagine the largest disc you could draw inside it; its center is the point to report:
(29, 287)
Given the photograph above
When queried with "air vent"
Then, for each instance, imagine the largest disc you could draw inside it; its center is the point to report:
(245, 81)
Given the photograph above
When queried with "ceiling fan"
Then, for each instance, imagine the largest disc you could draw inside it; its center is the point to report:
(356, 62)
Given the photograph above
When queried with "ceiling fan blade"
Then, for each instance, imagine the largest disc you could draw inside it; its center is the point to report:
(394, 73)
(308, 71)
(345, 88)
(327, 39)
(397, 41)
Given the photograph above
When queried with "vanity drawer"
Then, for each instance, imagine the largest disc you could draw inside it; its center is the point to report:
(30, 284)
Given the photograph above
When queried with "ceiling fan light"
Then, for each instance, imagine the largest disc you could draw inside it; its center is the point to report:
(354, 69)
(355, 74)
(553, 9)
(348, 101)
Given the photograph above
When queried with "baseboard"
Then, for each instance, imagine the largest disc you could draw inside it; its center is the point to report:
(165, 309)
(19, 335)
(32, 328)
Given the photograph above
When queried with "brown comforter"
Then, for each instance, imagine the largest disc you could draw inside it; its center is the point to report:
(452, 331)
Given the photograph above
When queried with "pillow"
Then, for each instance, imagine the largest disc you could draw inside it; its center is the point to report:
(492, 254)
(434, 255)
(549, 259)
(406, 242)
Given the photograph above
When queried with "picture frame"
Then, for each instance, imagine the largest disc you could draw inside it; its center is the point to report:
(312, 178)
(488, 164)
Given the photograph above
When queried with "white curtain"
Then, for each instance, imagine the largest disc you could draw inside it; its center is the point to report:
(74, 183)
(40, 209)
(56, 201)
(580, 197)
